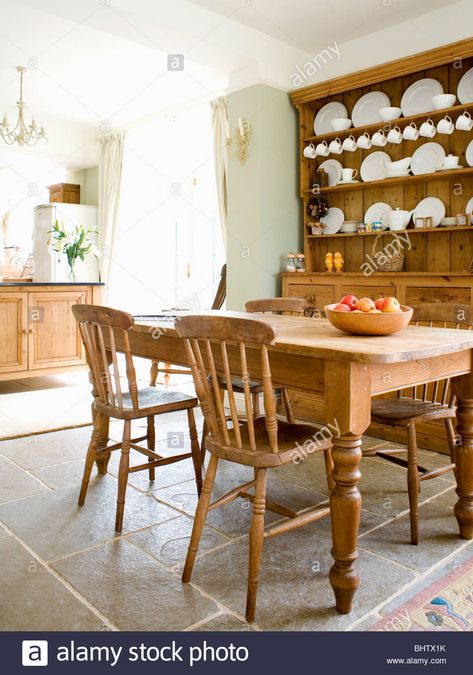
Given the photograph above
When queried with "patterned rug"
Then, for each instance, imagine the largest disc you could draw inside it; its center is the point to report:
(444, 605)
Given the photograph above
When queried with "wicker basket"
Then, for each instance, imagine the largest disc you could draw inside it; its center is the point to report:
(395, 262)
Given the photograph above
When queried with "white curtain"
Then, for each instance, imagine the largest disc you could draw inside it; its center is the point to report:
(220, 133)
(110, 178)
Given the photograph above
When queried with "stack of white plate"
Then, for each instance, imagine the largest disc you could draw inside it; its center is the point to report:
(350, 226)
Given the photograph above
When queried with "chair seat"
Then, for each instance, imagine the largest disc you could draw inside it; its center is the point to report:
(291, 440)
(401, 411)
(152, 401)
(237, 385)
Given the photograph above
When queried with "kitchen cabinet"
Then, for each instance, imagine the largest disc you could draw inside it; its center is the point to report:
(38, 333)
(13, 332)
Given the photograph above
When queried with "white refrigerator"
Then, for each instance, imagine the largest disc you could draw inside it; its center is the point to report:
(48, 266)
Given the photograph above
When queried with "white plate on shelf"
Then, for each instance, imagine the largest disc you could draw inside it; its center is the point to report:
(417, 98)
(333, 220)
(430, 206)
(450, 168)
(329, 112)
(469, 206)
(469, 154)
(374, 167)
(465, 87)
(378, 211)
(333, 169)
(427, 159)
(366, 109)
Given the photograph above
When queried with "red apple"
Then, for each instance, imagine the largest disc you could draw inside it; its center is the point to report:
(342, 307)
(349, 300)
(379, 303)
(365, 304)
(391, 305)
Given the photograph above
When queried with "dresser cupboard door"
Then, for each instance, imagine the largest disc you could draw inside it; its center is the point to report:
(13, 332)
(54, 339)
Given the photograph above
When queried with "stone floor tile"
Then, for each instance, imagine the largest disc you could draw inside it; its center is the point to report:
(224, 622)
(57, 476)
(134, 591)
(168, 541)
(294, 592)
(34, 600)
(54, 526)
(16, 483)
(47, 449)
(438, 535)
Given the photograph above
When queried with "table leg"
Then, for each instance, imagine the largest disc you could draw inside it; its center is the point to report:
(345, 508)
(102, 461)
(348, 411)
(463, 387)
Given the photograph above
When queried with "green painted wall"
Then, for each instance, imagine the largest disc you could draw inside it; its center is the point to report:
(263, 203)
(88, 179)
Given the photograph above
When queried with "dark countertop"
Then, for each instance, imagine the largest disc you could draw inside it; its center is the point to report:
(51, 283)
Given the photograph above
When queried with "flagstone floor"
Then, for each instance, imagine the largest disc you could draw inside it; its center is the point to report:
(64, 568)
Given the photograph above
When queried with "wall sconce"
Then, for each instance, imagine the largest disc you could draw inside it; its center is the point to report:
(241, 139)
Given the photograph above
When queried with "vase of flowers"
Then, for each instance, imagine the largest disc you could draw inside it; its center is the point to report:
(74, 244)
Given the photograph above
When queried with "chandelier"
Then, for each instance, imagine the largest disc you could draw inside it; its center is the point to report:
(21, 133)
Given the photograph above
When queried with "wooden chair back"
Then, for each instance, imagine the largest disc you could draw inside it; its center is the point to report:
(439, 315)
(95, 323)
(287, 306)
(221, 293)
(208, 341)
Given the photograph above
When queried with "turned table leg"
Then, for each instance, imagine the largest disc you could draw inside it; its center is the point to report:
(463, 510)
(345, 508)
(348, 411)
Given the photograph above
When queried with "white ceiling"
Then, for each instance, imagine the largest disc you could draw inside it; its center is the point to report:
(98, 64)
(312, 24)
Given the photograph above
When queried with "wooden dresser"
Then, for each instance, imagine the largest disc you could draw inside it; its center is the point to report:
(38, 333)
(437, 261)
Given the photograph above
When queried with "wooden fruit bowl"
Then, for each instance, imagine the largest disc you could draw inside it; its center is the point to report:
(369, 324)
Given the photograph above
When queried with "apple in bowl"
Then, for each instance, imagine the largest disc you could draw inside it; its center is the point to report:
(381, 317)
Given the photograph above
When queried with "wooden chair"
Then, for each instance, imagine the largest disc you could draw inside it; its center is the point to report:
(212, 343)
(423, 403)
(168, 369)
(284, 306)
(102, 329)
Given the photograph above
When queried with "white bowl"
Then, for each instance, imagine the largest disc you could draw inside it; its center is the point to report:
(441, 101)
(341, 124)
(401, 164)
(389, 113)
(449, 221)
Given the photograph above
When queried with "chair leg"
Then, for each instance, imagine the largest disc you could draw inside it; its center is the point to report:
(195, 449)
(205, 431)
(123, 475)
(329, 469)
(256, 410)
(167, 377)
(413, 483)
(90, 457)
(451, 438)
(151, 443)
(200, 518)
(153, 373)
(256, 542)
(287, 404)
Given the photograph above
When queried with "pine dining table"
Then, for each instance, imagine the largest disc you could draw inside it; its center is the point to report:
(312, 356)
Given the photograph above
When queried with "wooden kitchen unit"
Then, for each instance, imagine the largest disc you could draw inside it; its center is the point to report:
(38, 332)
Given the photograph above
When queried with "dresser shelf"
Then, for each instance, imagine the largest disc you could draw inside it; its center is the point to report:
(425, 230)
(393, 182)
(400, 122)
